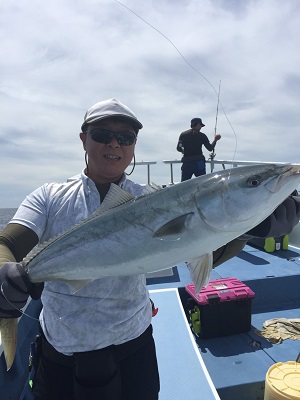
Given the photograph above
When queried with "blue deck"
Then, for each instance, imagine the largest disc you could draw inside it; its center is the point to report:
(174, 345)
(238, 363)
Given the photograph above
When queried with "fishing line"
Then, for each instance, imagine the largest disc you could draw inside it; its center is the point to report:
(219, 103)
(191, 66)
(98, 301)
(21, 311)
(63, 316)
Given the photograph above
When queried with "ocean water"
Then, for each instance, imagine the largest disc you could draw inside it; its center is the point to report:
(5, 216)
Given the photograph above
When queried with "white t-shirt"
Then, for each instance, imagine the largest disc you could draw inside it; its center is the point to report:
(107, 311)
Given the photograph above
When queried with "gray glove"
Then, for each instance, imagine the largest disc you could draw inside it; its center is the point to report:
(15, 288)
(282, 221)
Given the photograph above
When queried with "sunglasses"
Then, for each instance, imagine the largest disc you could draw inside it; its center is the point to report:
(105, 136)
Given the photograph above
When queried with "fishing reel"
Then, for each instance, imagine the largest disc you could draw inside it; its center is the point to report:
(212, 155)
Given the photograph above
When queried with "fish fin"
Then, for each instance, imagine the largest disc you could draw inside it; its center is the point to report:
(76, 285)
(9, 333)
(200, 269)
(115, 197)
(174, 229)
(151, 188)
(154, 187)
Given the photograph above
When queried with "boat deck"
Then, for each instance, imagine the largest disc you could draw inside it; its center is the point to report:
(175, 345)
(238, 364)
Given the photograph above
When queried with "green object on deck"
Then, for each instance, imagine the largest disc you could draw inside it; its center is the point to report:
(281, 243)
(195, 320)
(269, 245)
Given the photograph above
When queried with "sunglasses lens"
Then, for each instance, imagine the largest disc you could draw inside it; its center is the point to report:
(105, 136)
(101, 135)
(125, 138)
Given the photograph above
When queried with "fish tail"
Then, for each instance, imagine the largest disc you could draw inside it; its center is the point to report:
(8, 334)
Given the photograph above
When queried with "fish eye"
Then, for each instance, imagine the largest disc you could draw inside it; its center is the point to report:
(254, 181)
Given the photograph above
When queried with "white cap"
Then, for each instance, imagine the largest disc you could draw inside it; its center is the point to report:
(108, 109)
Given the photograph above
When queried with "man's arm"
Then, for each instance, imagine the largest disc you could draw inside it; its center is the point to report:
(228, 251)
(180, 146)
(16, 241)
(210, 146)
(281, 222)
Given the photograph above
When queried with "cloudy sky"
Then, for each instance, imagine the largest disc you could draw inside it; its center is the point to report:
(165, 59)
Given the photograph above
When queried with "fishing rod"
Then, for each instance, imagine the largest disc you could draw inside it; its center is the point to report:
(213, 154)
(217, 113)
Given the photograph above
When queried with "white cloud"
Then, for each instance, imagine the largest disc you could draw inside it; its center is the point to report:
(61, 57)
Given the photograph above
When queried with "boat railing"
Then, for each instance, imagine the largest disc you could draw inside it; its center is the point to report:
(147, 163)
(211, 161)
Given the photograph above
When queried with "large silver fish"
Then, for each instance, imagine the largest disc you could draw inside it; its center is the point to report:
(185, 222)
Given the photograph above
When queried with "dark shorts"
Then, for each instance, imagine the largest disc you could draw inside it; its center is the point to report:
(190, 168)
(124, 372)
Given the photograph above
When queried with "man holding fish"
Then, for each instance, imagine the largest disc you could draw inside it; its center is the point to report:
(96, 331)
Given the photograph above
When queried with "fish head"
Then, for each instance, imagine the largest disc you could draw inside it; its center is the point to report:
(240, 198)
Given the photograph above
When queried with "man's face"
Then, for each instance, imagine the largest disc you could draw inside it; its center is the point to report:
(107, 162)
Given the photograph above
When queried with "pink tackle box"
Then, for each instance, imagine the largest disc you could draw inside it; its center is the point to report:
(223, 308)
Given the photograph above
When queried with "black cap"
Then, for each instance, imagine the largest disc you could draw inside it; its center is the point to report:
(196, 121)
